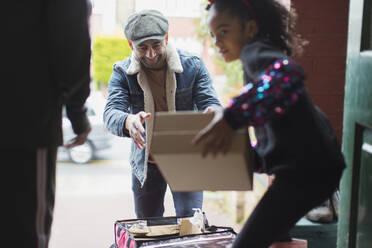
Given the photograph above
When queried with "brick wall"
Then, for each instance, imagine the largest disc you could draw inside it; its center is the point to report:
(324, 23)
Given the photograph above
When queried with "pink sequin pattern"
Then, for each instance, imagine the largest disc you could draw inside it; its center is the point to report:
(278, 88)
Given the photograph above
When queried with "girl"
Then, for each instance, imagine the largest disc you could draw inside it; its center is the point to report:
(296, 142)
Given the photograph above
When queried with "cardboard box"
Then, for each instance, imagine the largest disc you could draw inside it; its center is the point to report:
(181, 163)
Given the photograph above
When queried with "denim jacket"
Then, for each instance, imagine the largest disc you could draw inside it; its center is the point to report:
(188, 87)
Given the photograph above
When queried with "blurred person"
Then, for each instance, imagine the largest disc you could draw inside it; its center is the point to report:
(295, 139)
(46, 55)
(156, 77)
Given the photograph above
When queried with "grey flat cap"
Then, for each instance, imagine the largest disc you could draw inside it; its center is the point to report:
(146, 25)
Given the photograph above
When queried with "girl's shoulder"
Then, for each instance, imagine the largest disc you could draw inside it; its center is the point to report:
(260, 51)
(260, 54)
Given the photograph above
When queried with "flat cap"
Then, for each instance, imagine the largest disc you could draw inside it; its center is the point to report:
(146, 25)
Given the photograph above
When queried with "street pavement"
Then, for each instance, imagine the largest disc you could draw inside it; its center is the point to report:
(91, 197)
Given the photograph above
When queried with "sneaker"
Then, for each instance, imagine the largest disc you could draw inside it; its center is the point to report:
(334, 202)
(321, 214)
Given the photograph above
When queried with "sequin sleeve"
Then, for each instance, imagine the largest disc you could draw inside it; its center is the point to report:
(277, 89)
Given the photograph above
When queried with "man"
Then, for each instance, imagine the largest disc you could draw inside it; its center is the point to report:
(156, 77)
(46, 50)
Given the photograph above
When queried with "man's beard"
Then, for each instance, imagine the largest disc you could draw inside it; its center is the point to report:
(158, 64)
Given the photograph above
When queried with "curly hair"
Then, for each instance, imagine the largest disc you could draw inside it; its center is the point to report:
(274, 21)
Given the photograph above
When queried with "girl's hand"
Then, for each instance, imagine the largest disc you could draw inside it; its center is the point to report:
(216, 137)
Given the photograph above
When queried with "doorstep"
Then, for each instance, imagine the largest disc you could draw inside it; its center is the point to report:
(295, 243)
(317, 235)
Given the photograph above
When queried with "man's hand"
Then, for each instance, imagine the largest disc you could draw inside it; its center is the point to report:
(216, 137)
(134, 125)
(79, 139)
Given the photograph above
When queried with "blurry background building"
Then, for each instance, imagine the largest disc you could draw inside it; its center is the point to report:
(109, 16)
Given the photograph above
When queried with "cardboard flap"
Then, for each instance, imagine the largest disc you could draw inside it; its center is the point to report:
(184, 121)
(181, 163)
(181, 143)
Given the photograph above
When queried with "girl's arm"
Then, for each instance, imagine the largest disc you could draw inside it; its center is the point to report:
(277, 89)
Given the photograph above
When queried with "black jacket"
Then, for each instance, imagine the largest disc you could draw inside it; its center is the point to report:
(46, 59)
(293, 135)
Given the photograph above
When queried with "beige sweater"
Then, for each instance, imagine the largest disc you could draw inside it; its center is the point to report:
(174, 66)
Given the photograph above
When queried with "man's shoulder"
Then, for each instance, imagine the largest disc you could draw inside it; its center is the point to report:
(184, 54)
(189, 59)
(122, 64)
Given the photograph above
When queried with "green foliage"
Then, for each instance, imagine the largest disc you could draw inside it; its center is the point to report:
(107, 51)
(234, 75)
(200, 23)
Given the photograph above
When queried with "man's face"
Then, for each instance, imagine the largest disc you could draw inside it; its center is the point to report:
(151, 53)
